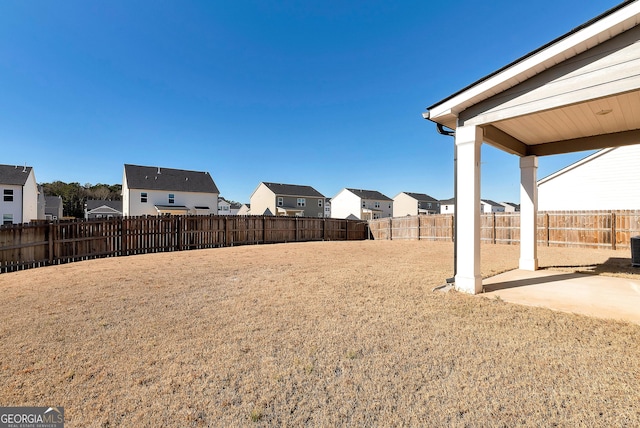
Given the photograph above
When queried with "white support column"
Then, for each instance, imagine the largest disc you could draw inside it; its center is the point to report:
(528, 213)
(468, 143)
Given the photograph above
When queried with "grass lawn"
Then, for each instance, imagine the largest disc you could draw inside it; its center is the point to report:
(309, 334)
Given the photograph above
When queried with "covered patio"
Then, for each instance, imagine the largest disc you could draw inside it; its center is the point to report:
(578, 92)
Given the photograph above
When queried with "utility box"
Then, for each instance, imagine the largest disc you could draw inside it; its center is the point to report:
(635, 251)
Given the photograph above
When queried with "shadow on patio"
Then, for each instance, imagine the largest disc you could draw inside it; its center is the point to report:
(585, 290)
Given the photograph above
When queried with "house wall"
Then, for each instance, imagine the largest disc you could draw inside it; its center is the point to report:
(311, 207)
(41, 204)
(161, 197)
(345, 204)
(224, 208)
(262, 199)
(30, 199)
(447, 209)
(607, 180)
(385, 208)
(13, 208)
(404, 205)
(488, 208)
(509, 208)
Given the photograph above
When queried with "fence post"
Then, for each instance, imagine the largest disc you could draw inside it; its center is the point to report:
(494, 228)
(453, 228)
(324, 229)
(297, 236)
(50, 242)
(548, 232)
(613, 231)
(390, 228)
(177, 224)
(264, 229)
(226, 231)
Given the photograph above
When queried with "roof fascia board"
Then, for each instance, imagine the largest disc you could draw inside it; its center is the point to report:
(532, 64)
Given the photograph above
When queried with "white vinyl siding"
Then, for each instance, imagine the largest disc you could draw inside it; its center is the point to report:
(606, 180)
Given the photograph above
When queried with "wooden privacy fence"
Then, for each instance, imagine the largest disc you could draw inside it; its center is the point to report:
(47, 243)
(594, 229)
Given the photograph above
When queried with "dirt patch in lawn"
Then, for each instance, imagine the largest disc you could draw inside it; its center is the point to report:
(316, 334)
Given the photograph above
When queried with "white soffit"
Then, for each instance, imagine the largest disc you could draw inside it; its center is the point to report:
(586, 38)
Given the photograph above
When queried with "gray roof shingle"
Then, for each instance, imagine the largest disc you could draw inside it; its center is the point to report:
(14, 175)
(293, 190)
(369, 194)
(422, 197)
(178, 180)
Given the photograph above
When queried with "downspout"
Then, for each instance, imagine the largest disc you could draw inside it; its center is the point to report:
(451, 133)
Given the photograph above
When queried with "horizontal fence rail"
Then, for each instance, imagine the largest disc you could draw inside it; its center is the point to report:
(590, 229)
(44, 243)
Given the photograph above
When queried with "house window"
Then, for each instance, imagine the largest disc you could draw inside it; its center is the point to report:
(376, 205)
(8, 195)
(280, 201)
(7, 218)
(143, 197)
(172, 198)
(429, 205)
(302, 202)
(320, 202)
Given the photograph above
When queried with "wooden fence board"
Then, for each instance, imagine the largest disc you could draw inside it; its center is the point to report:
(591, 229)
(46, 243)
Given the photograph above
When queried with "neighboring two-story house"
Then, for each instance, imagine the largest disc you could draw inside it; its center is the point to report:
(407, 203)
(53, 208)
(487, 206)
(287, 200)
(448, 206)
(18, 194)
(510, 207)
(327, 207)
(228, 208)
(245, 209)
(101, 208)
(150, 190)
(361, 204)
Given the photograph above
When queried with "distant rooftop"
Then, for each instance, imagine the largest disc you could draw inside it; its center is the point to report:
(179, 180)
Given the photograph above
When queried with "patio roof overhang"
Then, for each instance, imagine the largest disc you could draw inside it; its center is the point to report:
(578, 92)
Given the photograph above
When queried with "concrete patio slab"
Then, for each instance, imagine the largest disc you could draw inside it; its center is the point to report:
(592, 295)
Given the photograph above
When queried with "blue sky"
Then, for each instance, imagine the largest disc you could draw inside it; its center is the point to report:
(321, 93)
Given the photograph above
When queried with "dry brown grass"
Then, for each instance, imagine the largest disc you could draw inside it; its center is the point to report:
(316, 334)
